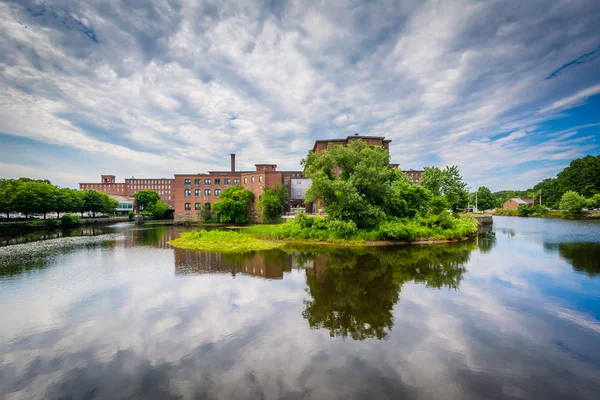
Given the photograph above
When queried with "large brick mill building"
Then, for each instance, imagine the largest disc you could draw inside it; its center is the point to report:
(190, 193)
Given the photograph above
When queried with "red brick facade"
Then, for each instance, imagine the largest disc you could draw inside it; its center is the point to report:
(108, 185)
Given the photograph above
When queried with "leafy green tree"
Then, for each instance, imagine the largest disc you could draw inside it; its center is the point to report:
(410, 200)
(448, 183)
(594, 202)
(524, 210)
(355, 182)
(582, 176)
(28, 199)
(159, 209)
(572, 202)
(7, 194)
(233, 205)
(271, 204)
(146, 197)
(485, 199)
(97, 202)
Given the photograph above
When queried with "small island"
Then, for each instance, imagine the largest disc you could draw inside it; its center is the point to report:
(367, 200)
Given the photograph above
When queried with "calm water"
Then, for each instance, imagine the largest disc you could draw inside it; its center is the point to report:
(116, 313)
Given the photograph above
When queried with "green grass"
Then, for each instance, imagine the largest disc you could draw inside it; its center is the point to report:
(222, 242)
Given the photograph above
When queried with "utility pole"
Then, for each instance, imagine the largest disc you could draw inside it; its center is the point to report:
(476, 209)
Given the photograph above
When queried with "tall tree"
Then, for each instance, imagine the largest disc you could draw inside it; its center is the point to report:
(233, 205)
(271, 203)
(146, 197)
(485, 199)
(448, 183)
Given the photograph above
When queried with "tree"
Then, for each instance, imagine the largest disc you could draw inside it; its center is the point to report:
(7, 194)
(160, 208)
(98, 202)
(594, 202)
(233, 206)
(271, 202)
(572, 202)
(582, 176)
(485, 199)
(448, 183)
(363, 192)
(146, 197)
(27, 198)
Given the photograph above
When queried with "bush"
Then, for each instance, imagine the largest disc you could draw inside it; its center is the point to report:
(52, 222)
(539, 210)
(35, 222)
(344, 228)
(207, 216)
(572, 202)
(131, 215)
(69, 219)
(524, 210)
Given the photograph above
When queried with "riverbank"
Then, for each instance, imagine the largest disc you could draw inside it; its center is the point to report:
(51, 224)
(556, 214)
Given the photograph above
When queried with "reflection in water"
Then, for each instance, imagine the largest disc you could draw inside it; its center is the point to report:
(584, 257)
(354, 292)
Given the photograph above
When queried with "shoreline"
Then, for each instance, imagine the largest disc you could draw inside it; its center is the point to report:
(7, 228)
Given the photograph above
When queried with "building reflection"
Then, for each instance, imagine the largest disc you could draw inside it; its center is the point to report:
(268, 265)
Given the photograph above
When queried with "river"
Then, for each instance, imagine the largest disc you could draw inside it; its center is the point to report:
(115, 312)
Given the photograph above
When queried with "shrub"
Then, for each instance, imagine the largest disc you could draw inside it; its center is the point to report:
(538, 210)
(35, 222)
(131, 215)
(572, 202)
(207, 216)
(524, 210)
(344, 228)
(52, 222)
(69, 219)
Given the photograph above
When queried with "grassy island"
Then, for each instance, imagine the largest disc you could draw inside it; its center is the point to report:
(366, 200)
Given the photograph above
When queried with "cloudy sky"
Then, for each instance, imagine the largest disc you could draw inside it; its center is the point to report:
(507, 90)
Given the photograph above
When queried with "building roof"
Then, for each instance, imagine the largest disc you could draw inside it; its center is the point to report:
(521, 201)
(347, 138)
(120, 198)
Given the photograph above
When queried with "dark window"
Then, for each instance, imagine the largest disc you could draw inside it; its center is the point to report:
(227, 181)
(188, 206)
(236, 181)
(207, 181)
(217, 192)
(217, 181)
(207, 192)
(196, 181)
(187, 182)
(187, 192)
(207, 206)
(197, 192)
(197, 206)
(285, 181)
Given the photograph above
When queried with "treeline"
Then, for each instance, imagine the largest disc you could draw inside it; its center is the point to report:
(29, 196)
(582, 176)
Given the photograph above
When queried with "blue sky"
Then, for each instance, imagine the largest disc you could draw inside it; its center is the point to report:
(507, 90)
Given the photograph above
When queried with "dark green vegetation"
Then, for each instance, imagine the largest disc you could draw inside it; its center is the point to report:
(582, 256)
(363, 192)
(232, 208)
(151, 204)
(485, 199)
(581, 176)
(29, 196)
(271, 203)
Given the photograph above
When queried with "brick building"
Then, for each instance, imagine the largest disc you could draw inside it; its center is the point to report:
(194, 192)
(108, 185)
(514, 203)
(414, 175)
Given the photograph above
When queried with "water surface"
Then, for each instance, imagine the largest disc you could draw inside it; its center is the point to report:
(115, 312)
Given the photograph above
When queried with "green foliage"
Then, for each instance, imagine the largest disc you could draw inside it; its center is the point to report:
(159, 209)
(448, 183)
(572, 202)
(221, 242)
(233, 206)
(207, 215)
(594, 202)
(146, 199)
(69, 219)
(52, 222)
(539, 210)
(272, 201)
(485, 199)
(524, 210)
(131, 215)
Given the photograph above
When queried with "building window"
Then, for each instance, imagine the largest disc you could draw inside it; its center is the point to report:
(245, 180)
(197, 206)
(217, 192)
(188, 206)
(207, 181)
(260, 178)
(252, 179)
(187, 192)
(227, 181)
(197, 192)
(207, 192)
(236, 181)
(285, 181)
(207, 206)
(217, 181)
(187, 182)
(196, 181)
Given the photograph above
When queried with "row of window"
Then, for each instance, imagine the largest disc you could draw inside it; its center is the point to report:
(148, 181)
(188, 192)
(227, 181)
(197, 206)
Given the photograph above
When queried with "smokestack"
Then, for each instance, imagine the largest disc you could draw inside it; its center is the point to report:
(233, 163)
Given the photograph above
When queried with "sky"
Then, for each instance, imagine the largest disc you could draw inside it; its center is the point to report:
(509, 91)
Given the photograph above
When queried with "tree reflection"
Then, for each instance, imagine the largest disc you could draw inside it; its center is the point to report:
(583, 257)
(486, 241)
(354, 291)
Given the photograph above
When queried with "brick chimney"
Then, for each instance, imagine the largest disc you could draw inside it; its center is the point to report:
(233, 163)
